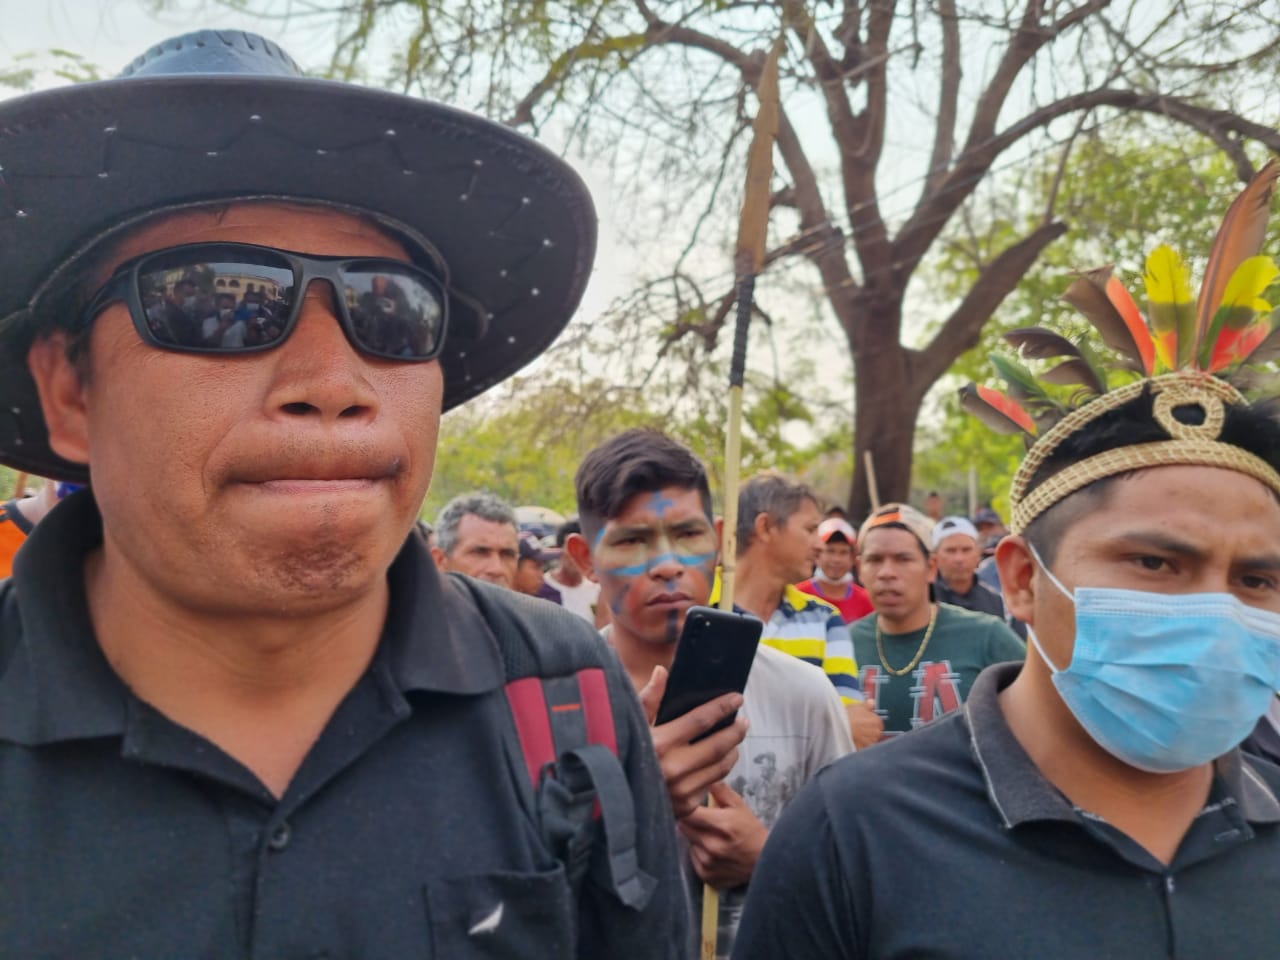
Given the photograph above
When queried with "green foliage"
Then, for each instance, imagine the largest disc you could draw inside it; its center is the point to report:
(526, 445)
(17, 75)
(28, 69)
(9, 483)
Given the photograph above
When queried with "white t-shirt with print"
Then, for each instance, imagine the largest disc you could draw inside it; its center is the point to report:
(797, 725)
(580, 599)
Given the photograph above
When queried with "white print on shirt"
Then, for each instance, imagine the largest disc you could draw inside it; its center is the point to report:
(767, 790)
(935, 690)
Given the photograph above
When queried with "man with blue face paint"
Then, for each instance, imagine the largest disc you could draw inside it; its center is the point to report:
(1094, 800)
(650, 539)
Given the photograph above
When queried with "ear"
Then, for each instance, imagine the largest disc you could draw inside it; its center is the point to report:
(931, 574)
(62, 397)
(442, 562)
(718, 523)
(575, 545)
(761, 528)
(1017, 570)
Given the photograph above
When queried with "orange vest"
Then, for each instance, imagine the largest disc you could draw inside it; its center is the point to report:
(11, 538)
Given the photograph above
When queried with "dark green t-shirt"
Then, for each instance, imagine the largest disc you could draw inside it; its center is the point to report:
(963, 643)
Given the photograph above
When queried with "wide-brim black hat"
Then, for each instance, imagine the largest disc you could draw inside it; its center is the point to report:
(218, 115)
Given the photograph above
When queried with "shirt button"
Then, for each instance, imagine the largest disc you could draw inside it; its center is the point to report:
(280, 837)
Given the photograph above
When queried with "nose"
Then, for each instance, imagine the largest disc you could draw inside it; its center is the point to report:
(318, 373)
(665, 565)
(496, 569)
(887, 571)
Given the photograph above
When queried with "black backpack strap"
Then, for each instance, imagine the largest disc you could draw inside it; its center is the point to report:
(615, 865)
(563, 732)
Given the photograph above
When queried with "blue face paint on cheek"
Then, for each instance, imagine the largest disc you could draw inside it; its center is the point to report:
(637, 570)
(697, 559)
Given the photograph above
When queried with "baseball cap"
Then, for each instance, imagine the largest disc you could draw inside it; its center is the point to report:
(529, 549)
(986, 515)
(834, 525)
(949, 525)
(901, 515)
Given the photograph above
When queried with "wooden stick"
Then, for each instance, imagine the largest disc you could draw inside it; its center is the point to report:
(872, 487)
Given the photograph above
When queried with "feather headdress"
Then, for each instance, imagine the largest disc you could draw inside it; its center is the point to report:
(1186, 350)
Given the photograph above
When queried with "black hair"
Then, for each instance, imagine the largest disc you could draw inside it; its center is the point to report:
(1254, 429)
(566, 528)
(640, 460)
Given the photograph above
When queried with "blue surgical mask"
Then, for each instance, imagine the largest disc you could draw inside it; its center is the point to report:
(1166, 682)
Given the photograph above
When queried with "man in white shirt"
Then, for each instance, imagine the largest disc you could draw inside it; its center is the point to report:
(578, 594)
(651, 540)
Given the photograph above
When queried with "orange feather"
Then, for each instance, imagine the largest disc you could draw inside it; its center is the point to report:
(1008, 407)
(1132, 317)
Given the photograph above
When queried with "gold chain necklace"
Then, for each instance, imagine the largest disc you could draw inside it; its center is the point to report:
(933, 618)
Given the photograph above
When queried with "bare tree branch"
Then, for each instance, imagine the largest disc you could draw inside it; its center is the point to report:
(948, 98)
(962, 329)
(972, 166)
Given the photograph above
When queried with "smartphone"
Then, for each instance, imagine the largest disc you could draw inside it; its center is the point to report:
(713, 657)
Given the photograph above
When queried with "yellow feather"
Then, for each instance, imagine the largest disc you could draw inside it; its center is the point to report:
(1244, 289)
(1171, 310)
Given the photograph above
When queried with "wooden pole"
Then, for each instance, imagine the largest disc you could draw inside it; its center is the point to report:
(748, 261)
(872, 488)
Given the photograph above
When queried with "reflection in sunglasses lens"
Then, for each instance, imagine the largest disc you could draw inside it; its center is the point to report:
(217, 305)
(242, 304)
(394, 314)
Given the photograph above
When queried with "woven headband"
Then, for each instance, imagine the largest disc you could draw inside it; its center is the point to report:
(1188, 444)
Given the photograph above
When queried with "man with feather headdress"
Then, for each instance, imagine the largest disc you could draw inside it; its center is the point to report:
(1092, 801)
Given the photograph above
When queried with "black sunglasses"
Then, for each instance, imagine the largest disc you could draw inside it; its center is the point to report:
(231, 298)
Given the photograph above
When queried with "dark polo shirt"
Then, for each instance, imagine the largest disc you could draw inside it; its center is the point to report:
(980, 598)
(404, 833)
(948, 843)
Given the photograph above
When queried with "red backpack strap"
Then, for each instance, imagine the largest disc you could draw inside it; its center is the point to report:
(533, 725)
(597, 710)
(554, 715)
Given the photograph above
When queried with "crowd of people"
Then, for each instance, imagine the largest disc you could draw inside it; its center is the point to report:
(251, 706)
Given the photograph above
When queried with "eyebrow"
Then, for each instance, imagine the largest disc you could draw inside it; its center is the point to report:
(1181, 548)
(644, 529)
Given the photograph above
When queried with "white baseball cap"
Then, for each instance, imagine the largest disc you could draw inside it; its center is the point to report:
(950, 525)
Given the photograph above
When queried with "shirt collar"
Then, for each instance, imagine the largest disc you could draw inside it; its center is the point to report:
(794, 599)
(57, 684)
(1019, 791)
(436, 639)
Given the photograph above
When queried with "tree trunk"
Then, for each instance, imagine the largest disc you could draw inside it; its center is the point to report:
(887, 402)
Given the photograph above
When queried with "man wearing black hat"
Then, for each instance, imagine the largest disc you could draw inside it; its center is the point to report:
(241, 713)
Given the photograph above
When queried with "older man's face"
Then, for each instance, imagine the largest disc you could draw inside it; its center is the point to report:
(276, 481)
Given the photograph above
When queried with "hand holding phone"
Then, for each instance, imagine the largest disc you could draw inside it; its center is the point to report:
(689, 769)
